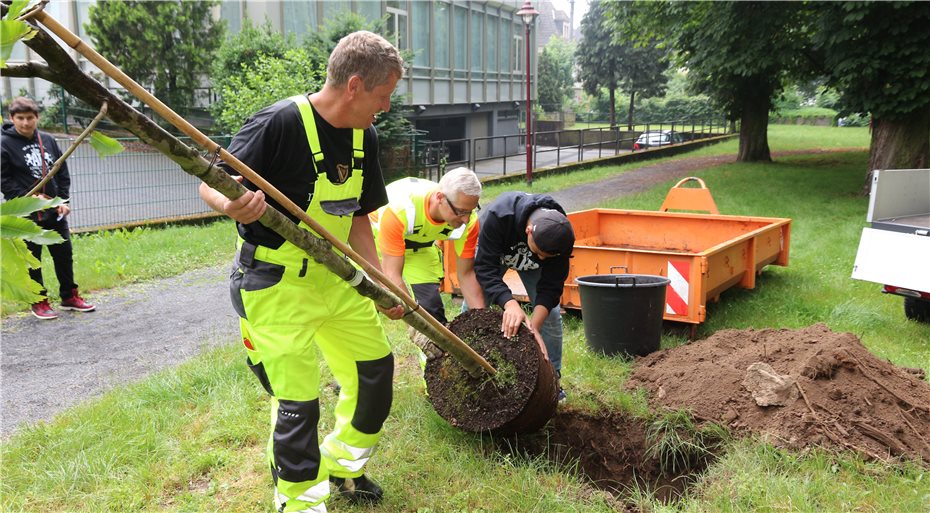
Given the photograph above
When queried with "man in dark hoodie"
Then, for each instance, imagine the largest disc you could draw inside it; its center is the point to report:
(530, 234)
(27, 157)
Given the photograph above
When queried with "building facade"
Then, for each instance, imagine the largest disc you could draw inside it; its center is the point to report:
(467, 75)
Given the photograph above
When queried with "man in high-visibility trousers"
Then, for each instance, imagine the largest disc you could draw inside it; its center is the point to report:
(420, 213)
(321, 151)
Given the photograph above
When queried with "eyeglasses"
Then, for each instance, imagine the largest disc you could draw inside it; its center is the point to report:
(459, 212)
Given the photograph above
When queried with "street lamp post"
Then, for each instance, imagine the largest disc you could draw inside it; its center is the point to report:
(528, 13)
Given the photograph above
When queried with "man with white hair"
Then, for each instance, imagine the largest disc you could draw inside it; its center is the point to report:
(420, 213)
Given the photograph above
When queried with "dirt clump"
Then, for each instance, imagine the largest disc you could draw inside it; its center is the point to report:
(847, 398)
(521, 397)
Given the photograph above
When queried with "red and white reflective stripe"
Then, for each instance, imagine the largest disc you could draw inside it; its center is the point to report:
(676, 294)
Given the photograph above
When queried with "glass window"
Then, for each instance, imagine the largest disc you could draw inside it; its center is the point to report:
(299, 18)
(518, 54)
(369, 9)
(492, 43)
(477, 41)
(231, 11)
(330, 9)
(460, 28)
(82, 18)
(397, 27)
(441, 35)
(506, 35)
(419, 19)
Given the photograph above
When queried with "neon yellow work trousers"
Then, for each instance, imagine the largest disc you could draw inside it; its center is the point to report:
(290, 307)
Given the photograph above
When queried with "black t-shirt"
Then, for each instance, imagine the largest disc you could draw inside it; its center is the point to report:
(274, 144)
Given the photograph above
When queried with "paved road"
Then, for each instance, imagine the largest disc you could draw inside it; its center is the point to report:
(49, 366)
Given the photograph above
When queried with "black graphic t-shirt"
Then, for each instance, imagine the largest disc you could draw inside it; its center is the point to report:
(502, 244)
(22, 166)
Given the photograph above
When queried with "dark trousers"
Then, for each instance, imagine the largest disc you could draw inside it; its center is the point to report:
(427, 296)
(61, 255)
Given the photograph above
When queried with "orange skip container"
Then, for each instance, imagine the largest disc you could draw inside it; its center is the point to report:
(702, 254)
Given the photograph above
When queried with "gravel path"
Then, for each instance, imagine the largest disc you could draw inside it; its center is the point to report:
(49, 366)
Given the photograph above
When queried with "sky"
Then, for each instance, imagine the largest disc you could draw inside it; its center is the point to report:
(581, 7)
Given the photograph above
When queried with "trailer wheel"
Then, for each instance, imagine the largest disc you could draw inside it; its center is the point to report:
(917, 309)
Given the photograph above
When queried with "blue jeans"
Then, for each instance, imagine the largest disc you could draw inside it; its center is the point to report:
(551, 331)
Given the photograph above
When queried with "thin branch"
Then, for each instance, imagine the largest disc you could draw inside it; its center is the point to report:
(830, 434)
(70, 150)
(865, 373)
(28, 70)
(916, 432)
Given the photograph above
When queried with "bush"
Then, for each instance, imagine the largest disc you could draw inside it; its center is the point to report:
(236, 59)
(266, 81)
(805, 116)
(689, 109)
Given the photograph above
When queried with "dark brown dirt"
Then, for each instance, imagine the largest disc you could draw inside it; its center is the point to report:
(611, 450)
(848, 399)
(521, 397)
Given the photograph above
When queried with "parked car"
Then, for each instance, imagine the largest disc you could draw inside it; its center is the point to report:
(657, 138)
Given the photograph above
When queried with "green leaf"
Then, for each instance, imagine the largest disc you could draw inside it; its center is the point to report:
(18, 228)
(21, 207)
(16, 284)
(16, 8)
(16, 249)
(105, 145)
(45, 238)
(11, 31)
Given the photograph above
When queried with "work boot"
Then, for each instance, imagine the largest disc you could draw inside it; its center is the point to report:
(44, 311)
(76, 303)
(358, 490)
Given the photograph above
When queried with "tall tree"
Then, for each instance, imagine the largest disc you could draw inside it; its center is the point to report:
(878, 56)
(642, 65)
(555, 74)
(166, 45)
(598, 55)
(738, 53)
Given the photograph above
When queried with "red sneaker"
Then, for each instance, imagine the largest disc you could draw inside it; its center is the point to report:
(76, 303)
(44, 311)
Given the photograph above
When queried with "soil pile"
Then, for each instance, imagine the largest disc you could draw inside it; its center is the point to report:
(825, 389)
(521, 397)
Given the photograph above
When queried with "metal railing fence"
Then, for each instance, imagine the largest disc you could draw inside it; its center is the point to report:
(503, 154)
(141, 185)
(137, 185)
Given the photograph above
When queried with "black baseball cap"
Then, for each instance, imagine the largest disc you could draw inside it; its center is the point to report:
(552, 232)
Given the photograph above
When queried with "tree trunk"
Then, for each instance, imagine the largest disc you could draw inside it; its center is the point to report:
(613, 107)
(753, 130)
(902, 143)
(629, 119)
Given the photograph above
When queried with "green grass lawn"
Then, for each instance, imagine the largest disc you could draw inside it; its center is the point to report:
(108, 259)
(191, 438)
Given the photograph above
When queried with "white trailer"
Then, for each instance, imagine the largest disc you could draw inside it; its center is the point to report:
(895, 250)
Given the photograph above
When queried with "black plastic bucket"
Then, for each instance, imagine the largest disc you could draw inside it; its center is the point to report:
(622, 313)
